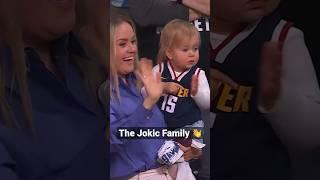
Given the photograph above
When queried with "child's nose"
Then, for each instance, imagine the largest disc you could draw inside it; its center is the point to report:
(191, 53)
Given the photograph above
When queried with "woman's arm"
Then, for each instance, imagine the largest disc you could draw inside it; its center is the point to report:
(143, 112)
(138, 118)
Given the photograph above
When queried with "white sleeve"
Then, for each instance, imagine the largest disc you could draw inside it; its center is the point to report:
(296, 115)
(202, 98)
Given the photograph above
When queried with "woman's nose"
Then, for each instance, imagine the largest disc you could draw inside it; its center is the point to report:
(132, 48)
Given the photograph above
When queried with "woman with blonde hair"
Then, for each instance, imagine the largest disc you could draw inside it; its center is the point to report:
(132, 158)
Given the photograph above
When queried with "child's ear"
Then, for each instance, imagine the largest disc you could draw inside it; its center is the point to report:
(169, 54)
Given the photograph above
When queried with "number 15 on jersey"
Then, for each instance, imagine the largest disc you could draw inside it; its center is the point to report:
(169, 103)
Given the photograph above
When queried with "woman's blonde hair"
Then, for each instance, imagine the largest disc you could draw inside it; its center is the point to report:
(173, 34)
(115, 20)
(11, 34)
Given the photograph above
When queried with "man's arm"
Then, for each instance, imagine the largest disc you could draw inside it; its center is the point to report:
(202, 6)
(156, 12)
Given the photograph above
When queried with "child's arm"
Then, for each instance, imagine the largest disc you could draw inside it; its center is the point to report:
(202, 97)
(168, 87)
(297, 111)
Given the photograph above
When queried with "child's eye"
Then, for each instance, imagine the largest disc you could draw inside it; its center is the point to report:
(134, 41)
(185, 50)
(122, 44)
(196, 48)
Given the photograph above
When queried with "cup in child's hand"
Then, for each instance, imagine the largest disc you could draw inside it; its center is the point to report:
(184, 142)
